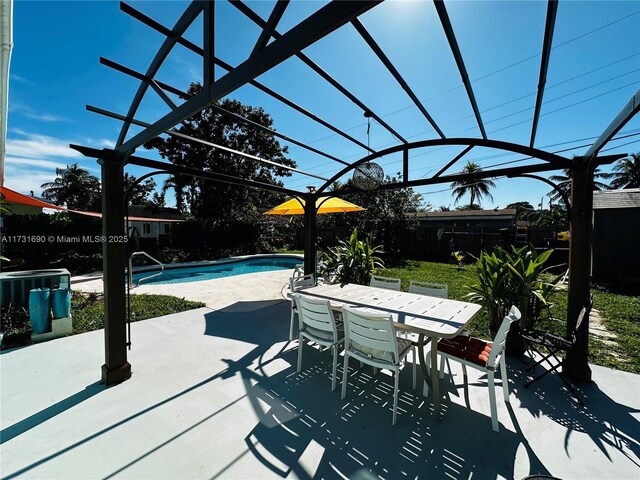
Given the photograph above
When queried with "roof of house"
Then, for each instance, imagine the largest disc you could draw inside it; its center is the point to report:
(153, 212)
(629, 198)
(505, 213)
(11, 196)
(136, 213)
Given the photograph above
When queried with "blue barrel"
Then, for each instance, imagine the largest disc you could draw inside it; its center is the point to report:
(39, 307)
(61, 302)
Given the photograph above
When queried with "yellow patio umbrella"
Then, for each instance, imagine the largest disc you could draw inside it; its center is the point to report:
(323, 205)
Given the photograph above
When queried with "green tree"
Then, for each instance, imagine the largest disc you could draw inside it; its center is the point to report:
(520, 206)
(524, 210)
(626, 173)
(556, 217)
(476, 188)
(469, 206)
(388, 205)
(563, 182)
(216, 201)
(143, 193)
(74, 188)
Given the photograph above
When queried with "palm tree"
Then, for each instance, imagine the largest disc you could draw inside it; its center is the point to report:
(564, 184)
(73, 187)
(477, 188)
(626, 173)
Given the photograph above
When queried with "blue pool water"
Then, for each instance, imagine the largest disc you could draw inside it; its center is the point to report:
(209, 272)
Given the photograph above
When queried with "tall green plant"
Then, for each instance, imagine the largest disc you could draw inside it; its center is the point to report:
(352, 261)
(492, 289)
(530, 292)
(513, 277)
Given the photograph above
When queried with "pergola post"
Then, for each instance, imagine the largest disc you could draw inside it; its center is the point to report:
(575, 365)
(310, 234)
(116, 369)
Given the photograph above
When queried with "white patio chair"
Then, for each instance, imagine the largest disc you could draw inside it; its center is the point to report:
(440, 290)
(318, 325)
(295, 284)
(385, 282)
(298, 271)
(481, 355)
(371, 339)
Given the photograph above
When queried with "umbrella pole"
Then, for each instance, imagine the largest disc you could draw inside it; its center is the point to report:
(310, 234)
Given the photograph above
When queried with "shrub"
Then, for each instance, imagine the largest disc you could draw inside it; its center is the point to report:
(513, 278)
(350, 262)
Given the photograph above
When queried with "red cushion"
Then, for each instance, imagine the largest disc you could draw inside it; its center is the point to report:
(472, 349)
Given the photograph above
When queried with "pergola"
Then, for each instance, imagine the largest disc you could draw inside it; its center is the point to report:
(271, 49)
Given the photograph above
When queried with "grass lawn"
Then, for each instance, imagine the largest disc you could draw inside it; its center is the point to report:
(87, 309)
(620, 313)
(87, 312)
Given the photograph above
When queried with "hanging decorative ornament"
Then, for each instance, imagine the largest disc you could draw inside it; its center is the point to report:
(368, 175)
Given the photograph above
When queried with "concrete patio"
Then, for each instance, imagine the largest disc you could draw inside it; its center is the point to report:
(214, 394)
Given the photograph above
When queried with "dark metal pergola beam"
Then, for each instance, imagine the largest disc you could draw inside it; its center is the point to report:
(457, 55)
(180, 170)
(170, 103)
(321, 23)
(552, 9)
(557, 161)
(127, 71)
(198, 50)
(500, 172)
(185, 20)
(208, 42)
(366, 36)
(509, 172)
(627, 113)
(254, 17)
(270, 25)
(175, 133)
(455, 159)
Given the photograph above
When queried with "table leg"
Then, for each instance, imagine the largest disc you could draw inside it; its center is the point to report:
(421, 357)
(431, 377)
(435, 381)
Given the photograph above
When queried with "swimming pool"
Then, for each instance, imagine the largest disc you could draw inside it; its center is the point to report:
(199, 273)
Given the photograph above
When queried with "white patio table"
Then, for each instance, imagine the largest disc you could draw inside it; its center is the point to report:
(427, 316)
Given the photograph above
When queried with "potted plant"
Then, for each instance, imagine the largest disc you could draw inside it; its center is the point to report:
(458, 256)
(350, 262)
(514, 278)
(492, 289)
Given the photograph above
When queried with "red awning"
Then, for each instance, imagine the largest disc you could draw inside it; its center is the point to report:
(11, 196)
(16, 198)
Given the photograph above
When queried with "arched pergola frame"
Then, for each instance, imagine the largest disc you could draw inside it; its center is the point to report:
(270, 50)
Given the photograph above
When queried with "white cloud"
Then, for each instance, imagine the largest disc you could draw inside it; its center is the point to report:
(105, 142)
(39, 146)
(33, 162)
(18, 78)
(24, 180)
(33, 114)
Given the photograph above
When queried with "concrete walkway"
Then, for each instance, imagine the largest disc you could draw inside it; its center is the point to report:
(216, 293)
(214, 394)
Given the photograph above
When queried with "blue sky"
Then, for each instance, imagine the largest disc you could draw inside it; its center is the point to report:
(594, 70)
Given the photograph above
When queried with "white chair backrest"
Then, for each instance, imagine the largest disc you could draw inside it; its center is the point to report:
(440, 290)
(501, 337)
(371, 334)
(298, 271)
(385, 282)
(296, 283)
(317, 314)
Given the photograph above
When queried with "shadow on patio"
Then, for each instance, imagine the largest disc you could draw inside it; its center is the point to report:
(186, 413)
(307, 429)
